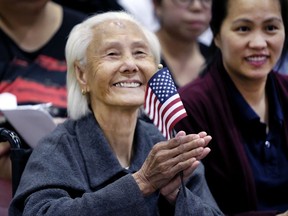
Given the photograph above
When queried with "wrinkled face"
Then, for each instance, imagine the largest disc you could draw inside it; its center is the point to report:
(119, 65)
(184, 23)
(251, 38)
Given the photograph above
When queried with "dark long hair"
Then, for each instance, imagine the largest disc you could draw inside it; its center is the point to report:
(219, 13)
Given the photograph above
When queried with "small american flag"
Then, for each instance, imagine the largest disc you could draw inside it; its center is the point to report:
(163, 104)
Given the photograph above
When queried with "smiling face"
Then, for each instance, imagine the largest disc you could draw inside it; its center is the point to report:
(119, 65)
(251, 38)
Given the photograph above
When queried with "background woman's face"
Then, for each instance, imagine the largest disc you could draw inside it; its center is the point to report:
(251, 37)
(120, 64)
(183, 23)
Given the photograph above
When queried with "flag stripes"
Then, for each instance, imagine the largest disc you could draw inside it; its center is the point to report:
(163, 104)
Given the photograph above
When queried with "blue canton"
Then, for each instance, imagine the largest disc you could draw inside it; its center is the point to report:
(163, 85)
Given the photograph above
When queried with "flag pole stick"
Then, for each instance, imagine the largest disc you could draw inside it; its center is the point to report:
(181, 172)
(161, 98)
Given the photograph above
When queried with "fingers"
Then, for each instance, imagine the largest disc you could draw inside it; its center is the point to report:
(202, 134)
(180, 133)
(204, 153)
(172, 161)
(171, 190)
(176, 168)
(171, 187)
(188, 172)
(167, 159)
(189, 146)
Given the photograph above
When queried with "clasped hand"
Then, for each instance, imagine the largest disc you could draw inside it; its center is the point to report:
(167, 159)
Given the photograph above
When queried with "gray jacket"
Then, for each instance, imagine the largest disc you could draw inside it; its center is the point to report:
(73, 171)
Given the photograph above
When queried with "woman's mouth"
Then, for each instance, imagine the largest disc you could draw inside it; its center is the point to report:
(127, 84)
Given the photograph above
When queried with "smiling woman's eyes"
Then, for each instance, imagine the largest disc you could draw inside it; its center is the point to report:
(136, 53)
(140, 52)
(113, 53)
(271, 28)
(242, 29)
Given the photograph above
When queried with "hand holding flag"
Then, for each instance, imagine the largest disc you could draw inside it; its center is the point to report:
(163, 105)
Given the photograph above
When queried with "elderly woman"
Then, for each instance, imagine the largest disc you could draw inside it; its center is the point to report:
(104, 160)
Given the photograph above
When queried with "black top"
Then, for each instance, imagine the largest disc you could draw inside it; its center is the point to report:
(91, 6)
(204, 49)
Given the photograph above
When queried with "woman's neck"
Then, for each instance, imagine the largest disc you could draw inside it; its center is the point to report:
(254, 93)
(183, 57)
(30, 30)
(177, 48)
(119, 129)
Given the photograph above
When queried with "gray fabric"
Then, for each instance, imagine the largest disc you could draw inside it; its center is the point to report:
(73, 171)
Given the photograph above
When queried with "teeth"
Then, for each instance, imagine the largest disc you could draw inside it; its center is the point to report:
(128, 84)
(257, 58)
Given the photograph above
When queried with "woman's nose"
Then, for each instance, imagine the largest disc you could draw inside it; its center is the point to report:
(258, 41)
(129, 64)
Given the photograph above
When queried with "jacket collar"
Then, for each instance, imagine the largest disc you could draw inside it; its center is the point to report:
(101, 164)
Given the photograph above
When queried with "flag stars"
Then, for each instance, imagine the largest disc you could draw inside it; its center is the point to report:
(163, 85)
(161, 88)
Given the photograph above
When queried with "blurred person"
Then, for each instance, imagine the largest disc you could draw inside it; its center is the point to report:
(91, 7)
(104, 160)
(181, 24)
(143, 11)
(243, 104)
(32, 63)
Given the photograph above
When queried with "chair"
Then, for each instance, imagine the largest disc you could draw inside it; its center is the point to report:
(18, 155)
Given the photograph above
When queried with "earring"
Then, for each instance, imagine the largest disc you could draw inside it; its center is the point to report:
(83, 92)
(160, 66)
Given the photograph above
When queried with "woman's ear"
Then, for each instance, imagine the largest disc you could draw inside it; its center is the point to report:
(82, 77)
(81, 73)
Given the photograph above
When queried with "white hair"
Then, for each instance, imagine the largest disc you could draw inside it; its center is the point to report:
(78, 41)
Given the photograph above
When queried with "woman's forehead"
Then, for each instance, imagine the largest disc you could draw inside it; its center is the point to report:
(114, 28)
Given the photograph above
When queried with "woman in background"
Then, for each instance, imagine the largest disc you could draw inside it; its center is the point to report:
(33, 35)
(243, 103)
(181, 24)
